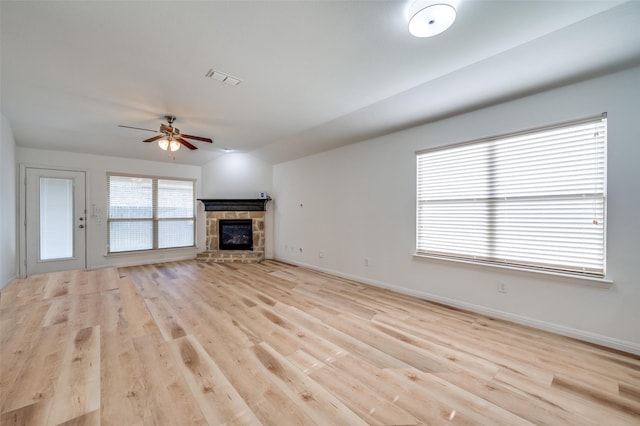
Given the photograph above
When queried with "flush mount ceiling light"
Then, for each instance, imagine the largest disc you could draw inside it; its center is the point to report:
(428, 17)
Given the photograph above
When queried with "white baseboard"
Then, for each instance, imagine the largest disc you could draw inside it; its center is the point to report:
(587, 336)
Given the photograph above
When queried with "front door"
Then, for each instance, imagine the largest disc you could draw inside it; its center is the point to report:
(55, 220)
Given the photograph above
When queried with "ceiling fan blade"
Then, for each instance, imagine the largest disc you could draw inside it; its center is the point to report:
(187, 144)
(138, 128)
(198, 138)
(155, 138)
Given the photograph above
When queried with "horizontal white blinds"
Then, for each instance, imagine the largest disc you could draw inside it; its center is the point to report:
(535, 199)
(148, 213)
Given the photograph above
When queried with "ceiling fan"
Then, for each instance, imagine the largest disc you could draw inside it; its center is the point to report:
(170, 137)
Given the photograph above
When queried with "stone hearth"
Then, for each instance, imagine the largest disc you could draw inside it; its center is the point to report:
(227, 209)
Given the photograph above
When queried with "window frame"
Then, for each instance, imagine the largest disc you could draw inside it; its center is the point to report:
(452, 255)
(155, 220)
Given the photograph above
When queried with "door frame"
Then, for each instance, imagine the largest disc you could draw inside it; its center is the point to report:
(22, 227)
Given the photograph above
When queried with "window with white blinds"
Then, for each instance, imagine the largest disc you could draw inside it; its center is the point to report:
(536, 199)
(147, 213)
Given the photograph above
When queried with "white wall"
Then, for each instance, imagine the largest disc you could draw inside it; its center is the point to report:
(8, 247)
(338, 208)
(240, 175)
(236, 175)
(97, 167)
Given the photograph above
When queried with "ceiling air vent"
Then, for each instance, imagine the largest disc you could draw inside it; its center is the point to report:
(225, 78)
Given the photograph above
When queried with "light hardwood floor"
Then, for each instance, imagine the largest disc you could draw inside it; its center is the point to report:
(189, 343)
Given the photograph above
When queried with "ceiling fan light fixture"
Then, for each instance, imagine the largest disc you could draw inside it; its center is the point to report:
(428, 18)
(169, 137)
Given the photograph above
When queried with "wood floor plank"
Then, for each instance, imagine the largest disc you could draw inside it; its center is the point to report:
(517, 403)
(167, 395)
(111, 312)
(565, 401)
(89, 419)
(629, 391)
(264, 321)
(403, 351)
(165, 318)
(80, 310)
(36, 378)
(427, 410)
(33, 414)
(311, 398)
(460, 401)
(251, 379)
(217, 398)
(464, 343)
(20, 330)
(352, 344)
(371, 405)
(60, 284)
(598, 396)
(136, 312)
(101, 280)
(23, 292)
(77, 390)
(122, 389)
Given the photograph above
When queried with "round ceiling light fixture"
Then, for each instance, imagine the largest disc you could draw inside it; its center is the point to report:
(428, 17)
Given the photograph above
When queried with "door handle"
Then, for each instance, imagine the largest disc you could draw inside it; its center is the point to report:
(80, 226)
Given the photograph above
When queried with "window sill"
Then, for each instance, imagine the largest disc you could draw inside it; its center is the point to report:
(569, 278)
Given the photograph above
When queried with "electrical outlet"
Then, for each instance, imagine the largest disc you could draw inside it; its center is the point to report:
(502, 287)
(321, 255)
(366, 261)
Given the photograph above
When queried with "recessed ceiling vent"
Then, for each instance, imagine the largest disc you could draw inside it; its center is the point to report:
(225, 78)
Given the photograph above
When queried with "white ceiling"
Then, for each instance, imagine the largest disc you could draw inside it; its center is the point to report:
(315, 74)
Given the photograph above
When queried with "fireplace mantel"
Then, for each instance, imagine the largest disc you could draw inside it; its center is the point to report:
(235, 205)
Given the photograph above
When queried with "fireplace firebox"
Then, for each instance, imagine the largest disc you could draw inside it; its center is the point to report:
(235, 234)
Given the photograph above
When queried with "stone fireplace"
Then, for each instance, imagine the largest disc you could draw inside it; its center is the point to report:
(233, 245)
